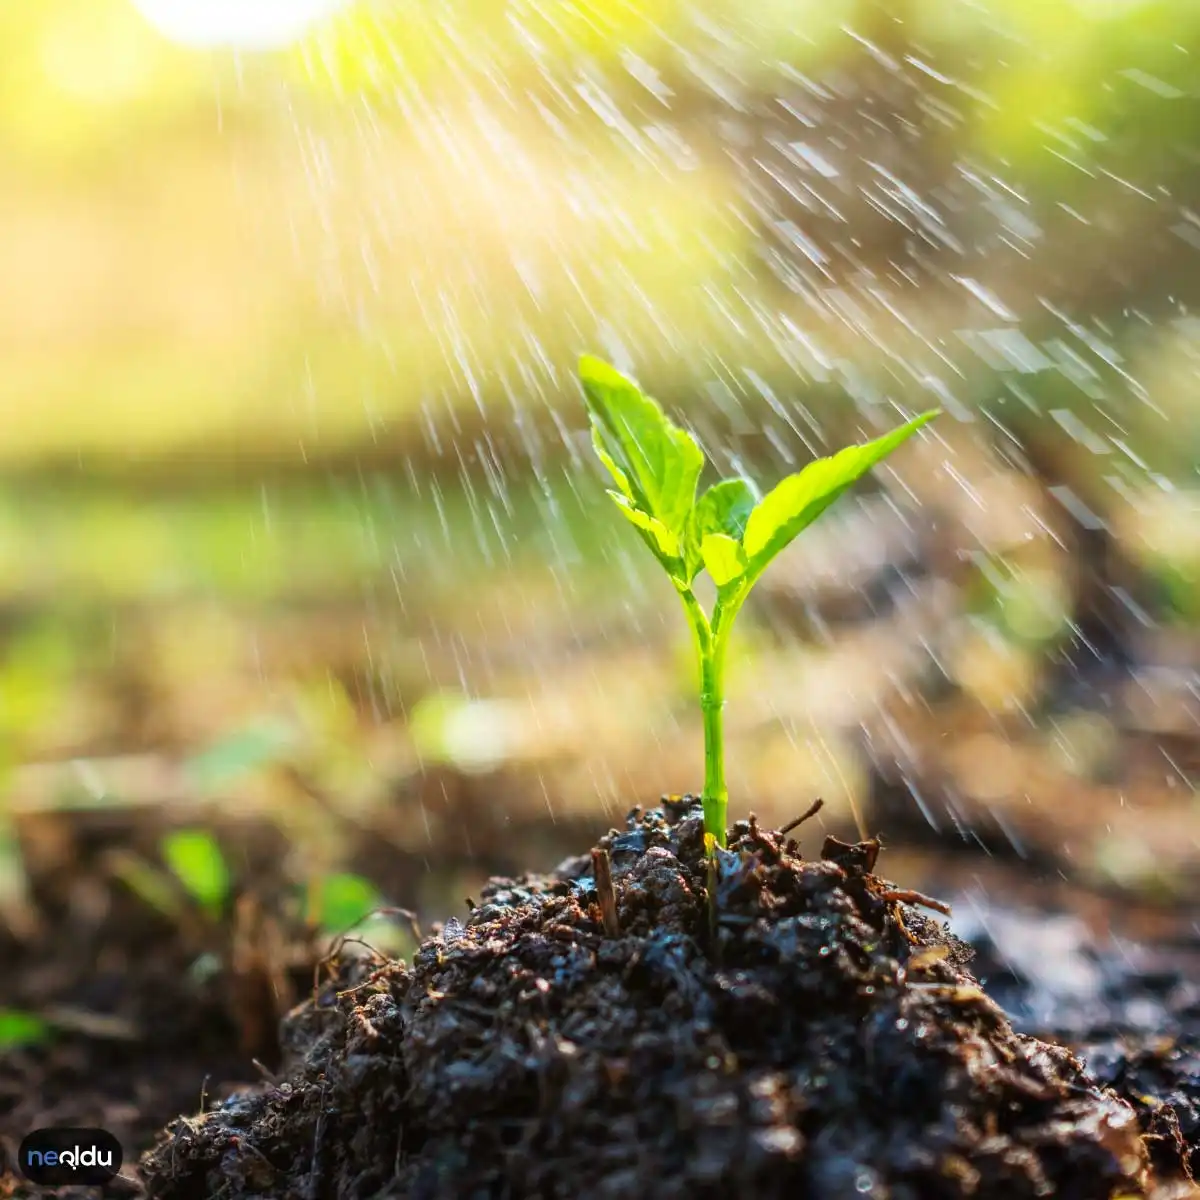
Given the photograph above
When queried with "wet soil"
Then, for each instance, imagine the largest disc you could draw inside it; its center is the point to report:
(824, 1038)
(1129, 1007)
(144, 1036)
(152, 1013)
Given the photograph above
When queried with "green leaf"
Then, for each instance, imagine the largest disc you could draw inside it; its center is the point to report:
(240, 754)
(148, 882)
(795, 503)
(655, 463)
(723, 508)
(345, 900)
(724, 558)
(195, 859)
(662, 541)
(19, 1028)
(619, 476)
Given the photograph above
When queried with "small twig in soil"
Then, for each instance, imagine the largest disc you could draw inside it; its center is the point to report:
(812, 810)
(265, 1072)
(767, 841)
(316, 1165)
(375, 976)
(408, 917)
(345, 939)
(101, 1026)
(330, 959)
(908, 896)
(856, 858)
(123, 1185)
(242, 1144)
(602, 869)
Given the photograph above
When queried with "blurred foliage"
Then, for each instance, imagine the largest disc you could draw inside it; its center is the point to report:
(149, 883)
(290, 488)
(195, 859)
(18, 1029)
(241, 753)
(294, 252)
(344, 901)
(1030, 607)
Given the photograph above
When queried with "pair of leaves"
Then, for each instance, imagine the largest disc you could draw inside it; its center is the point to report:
(728, 531)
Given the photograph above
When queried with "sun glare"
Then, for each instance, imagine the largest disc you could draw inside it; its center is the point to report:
(243, 24)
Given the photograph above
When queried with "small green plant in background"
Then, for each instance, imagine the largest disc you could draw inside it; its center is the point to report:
(727, 531)
(19, 1029)
(341, 901)
(194, 857)
(345, 904)
(194, 871)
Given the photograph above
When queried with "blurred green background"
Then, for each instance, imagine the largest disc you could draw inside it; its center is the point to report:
(295, 516)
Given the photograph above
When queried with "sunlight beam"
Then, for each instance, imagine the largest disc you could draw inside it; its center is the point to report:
(241, 24)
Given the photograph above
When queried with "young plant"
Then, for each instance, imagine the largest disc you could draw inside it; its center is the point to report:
(728, 531)
(19, 1029)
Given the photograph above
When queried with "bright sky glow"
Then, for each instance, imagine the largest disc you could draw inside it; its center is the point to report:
(242, 24)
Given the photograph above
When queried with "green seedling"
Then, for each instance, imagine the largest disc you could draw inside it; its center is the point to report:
(19, 1029)
(195, 859)
(728, 531)
(195, 870)
(349, 909)
(241, 754)
(341, 902)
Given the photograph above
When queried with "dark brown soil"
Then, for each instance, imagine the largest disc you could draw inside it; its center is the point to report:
(153, 1014)
(170, 1042)
(826, 1040)
(1130, 1010)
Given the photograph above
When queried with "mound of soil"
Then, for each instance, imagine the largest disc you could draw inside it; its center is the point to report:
(581, 1038)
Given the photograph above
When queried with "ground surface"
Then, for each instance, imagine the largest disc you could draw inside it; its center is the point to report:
(145, 1036)
(830, 1041)
(153, 1014)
